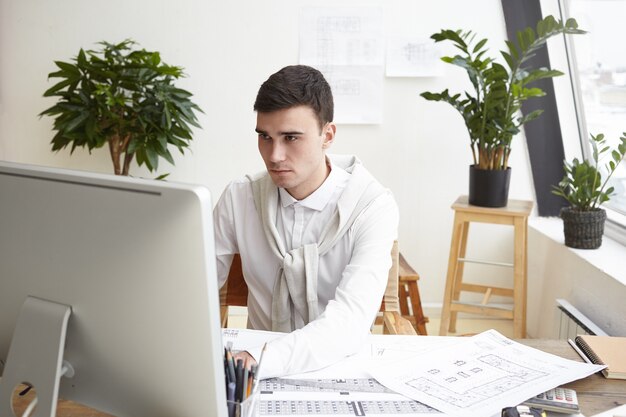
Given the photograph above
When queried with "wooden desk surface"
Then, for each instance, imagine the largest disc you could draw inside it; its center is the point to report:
(595, 393)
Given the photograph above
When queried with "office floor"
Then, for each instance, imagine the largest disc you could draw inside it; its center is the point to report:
(465, 326)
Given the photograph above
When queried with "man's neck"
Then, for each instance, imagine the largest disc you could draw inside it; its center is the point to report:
(300, 194)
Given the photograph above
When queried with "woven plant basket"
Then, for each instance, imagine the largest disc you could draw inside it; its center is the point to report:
(583, 229)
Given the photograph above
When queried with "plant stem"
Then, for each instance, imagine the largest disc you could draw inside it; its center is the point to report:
(115, 154)
(128, 157)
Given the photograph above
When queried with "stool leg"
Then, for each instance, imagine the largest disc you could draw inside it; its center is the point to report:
(519, 279)
(416, 305)
(455, 245)
(458, 277)
(402, 295)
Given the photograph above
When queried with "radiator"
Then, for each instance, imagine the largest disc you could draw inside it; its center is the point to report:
(572, 322)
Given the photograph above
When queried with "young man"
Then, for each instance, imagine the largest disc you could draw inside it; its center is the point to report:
(314, 232)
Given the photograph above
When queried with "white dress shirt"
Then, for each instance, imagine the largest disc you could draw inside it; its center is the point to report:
(352, 275)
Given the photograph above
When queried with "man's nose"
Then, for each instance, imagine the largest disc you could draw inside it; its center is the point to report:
(278, 152)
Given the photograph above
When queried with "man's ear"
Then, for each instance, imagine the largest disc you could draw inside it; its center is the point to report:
(329, 135)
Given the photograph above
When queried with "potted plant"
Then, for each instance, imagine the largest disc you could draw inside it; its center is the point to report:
(124, 98)
(491, 110)
(585, 190)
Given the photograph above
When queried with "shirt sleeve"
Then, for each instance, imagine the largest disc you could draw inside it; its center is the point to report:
(225, 237)
(343, 327)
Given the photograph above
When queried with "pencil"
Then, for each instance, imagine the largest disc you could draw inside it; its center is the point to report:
(239, 376)
(231, 365)
(580, 352)
(250, 379)
(244, 391)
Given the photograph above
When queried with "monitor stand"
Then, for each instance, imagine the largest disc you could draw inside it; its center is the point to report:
(36, 355)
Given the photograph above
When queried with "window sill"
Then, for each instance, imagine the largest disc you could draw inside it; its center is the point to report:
(608, 258)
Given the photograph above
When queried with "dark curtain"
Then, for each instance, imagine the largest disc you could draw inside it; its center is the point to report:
(543, 135)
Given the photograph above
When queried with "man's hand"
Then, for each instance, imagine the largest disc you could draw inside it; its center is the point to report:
(248, 360)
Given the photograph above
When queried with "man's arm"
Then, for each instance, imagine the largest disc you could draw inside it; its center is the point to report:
(225, 238)
(343, 327)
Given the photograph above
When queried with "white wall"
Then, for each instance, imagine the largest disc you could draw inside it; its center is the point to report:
(228, 49)
(594, 281)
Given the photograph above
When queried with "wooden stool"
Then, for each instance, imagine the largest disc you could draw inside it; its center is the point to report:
(408, 292)
(515, 214)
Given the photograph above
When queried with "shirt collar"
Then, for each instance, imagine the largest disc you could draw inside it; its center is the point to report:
(320, 197)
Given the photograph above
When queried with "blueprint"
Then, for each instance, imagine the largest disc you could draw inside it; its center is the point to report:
(415, 375)
(336, 397)
(343, 389)
(479, 376)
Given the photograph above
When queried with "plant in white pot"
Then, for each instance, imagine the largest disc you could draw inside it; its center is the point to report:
(585, 189)
(492, 110)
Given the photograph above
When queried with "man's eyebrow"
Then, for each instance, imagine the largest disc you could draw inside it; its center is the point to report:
(287, 133)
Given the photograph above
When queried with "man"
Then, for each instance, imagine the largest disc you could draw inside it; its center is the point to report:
(314, 232)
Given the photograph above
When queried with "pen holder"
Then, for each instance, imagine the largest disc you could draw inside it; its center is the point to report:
(247, 408)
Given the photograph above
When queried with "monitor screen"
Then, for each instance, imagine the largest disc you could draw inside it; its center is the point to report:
(135, 261)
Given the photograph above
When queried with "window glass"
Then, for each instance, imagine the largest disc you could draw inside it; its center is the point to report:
(599, 61)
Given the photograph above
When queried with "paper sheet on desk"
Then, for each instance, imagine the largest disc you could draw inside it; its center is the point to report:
(378, 350)
(339, 389)
(243, 339)
(480, 375)
(548, 414)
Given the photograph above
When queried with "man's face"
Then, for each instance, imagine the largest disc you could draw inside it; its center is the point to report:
(293, 148)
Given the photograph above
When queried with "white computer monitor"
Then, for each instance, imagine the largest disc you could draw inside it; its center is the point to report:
(135, 261)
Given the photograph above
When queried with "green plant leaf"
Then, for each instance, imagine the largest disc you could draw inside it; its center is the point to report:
(162, 176)
(67, 68)
(54, 90)
(72, 124)
(479, 45)
(168, 156)
(491, 110)
(152, 158)
(120, 90)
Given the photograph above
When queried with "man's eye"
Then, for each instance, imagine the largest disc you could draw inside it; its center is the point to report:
(263, 136)
(291, 138)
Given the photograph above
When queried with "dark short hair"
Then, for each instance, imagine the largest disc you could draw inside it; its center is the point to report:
(296, 85)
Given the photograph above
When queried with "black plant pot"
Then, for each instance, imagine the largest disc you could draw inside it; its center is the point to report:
(489, 188)
(583, 229)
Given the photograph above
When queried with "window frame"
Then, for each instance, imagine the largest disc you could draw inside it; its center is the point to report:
(615, 226)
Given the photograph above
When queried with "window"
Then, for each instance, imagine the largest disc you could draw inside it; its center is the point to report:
(598, 72)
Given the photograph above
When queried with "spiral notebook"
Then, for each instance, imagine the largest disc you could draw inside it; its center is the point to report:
(605, 350)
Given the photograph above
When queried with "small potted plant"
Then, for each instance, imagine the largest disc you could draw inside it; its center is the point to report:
(124, 98)
(585, 190)
(491, 110)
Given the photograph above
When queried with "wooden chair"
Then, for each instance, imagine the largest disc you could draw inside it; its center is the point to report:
(234, 292)
(409, 294)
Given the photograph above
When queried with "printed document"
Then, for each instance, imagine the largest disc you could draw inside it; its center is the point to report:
(479, 376)
(427, 376)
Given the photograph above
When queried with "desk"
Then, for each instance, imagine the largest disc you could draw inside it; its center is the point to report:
(595, 393)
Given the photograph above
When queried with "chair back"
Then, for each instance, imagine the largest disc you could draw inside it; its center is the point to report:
(390, 300)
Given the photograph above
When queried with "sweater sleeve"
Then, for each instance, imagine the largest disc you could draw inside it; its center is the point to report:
(225, 237)
(344, 325)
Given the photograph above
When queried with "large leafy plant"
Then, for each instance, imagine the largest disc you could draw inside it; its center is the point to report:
(124, 98)
(582, 185)
(491, 110)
